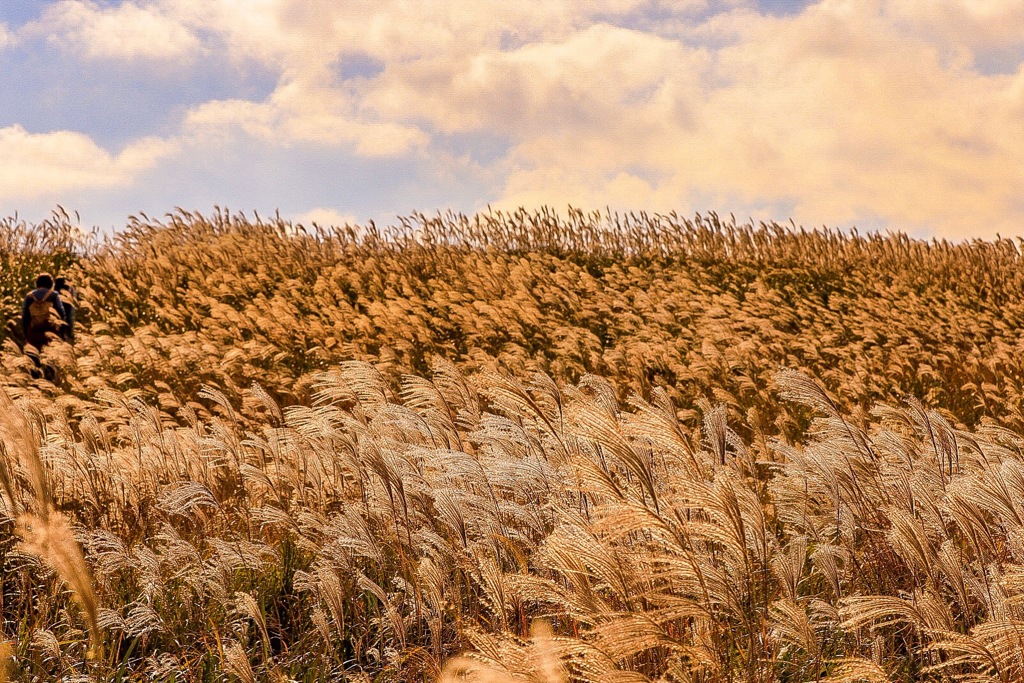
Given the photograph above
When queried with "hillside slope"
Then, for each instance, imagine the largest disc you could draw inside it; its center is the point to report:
(699, 308)
(696, 452)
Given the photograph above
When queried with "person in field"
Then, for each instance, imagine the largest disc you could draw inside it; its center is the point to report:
(42, 316)
(68, 298)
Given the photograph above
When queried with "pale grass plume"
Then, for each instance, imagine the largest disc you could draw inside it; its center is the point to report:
(236, 662)
(539, 662)
(46, 533)
(858, 670)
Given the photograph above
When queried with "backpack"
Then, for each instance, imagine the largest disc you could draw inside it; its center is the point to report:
(40, 310)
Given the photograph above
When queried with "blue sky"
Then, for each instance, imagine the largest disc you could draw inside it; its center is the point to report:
(881, 114)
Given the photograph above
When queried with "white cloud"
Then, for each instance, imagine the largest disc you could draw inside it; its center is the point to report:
(223, 117)
(297, 114)
(596, 76)
(46, 164)
(325, 217)
(837, 112)
(849, 111)
(127, 31)
(298, 35)
(251, 29)
(560, 186)
(845, 114)
(7, 38)
(972, 24)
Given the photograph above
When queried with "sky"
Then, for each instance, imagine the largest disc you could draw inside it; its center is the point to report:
(900, 115)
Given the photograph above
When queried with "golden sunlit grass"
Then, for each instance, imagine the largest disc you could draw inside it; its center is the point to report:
(520, 447)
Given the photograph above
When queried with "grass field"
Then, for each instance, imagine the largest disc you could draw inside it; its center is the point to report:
(522, 446)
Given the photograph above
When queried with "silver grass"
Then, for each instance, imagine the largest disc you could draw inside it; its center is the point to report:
(236, 662)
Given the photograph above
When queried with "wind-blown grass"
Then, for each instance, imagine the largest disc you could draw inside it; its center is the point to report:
(698, 307)
(535, 449)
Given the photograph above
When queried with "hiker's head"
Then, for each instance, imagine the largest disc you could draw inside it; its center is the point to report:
(60, 283)
(44, 281)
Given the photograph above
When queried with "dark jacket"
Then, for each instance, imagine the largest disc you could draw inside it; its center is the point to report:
(70, 301)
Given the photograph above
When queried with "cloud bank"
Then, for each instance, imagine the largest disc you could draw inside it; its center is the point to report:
(127, 31)
(899, 114)
(47, 163)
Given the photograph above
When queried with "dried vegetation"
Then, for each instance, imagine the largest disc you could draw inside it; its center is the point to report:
(534, 448)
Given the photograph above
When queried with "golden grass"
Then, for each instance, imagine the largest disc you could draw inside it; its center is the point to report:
(521, 447)
(44, 531)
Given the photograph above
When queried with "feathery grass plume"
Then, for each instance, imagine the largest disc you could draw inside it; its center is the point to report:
(142, 619)
(45, 533)
(21, 450)
(245, 605)
(236, 662)
(650, 492)
(792, 626)
(52, 540)
(538, 662)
